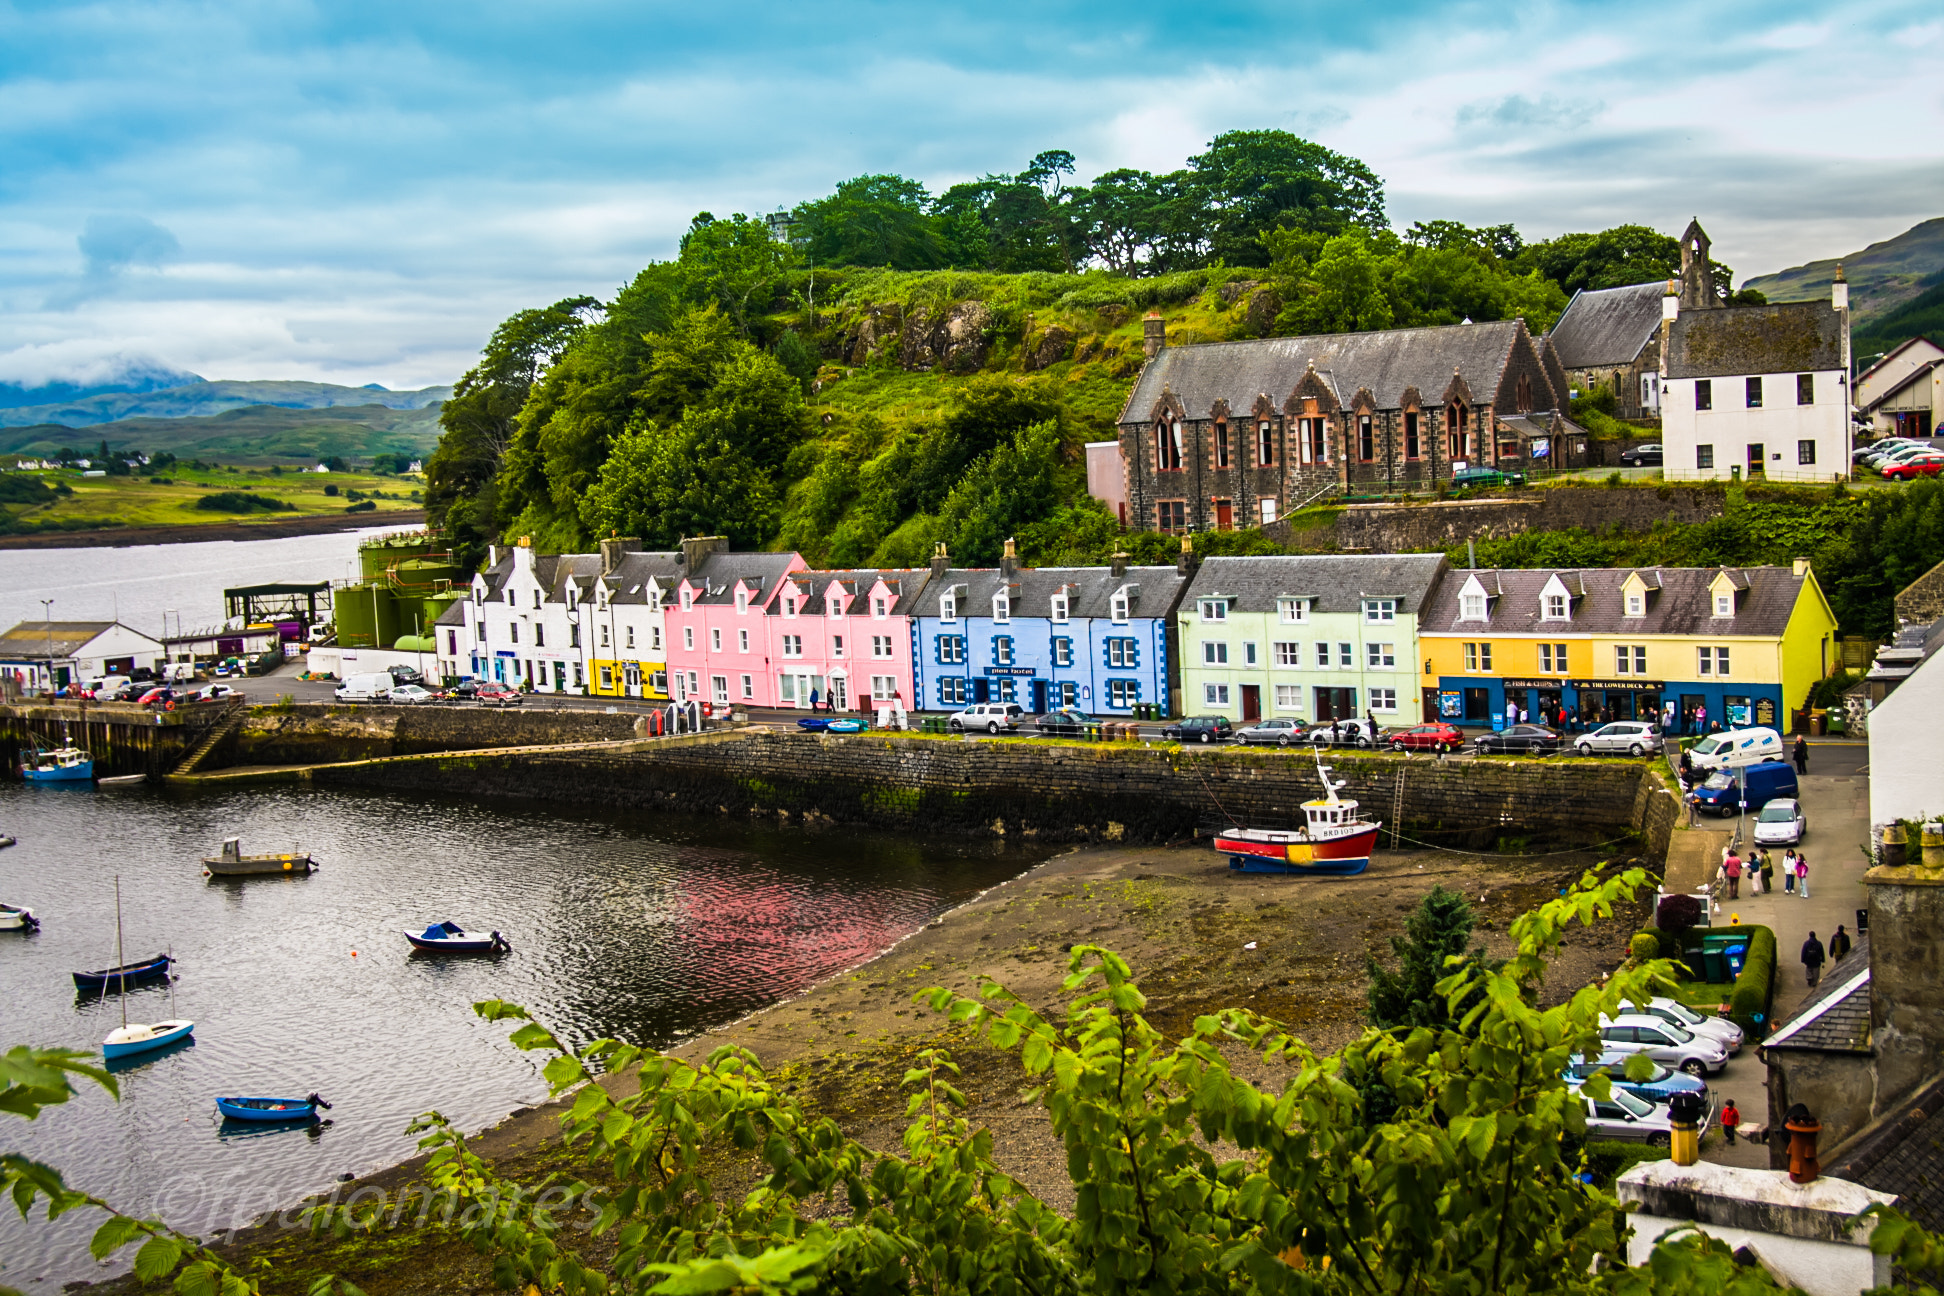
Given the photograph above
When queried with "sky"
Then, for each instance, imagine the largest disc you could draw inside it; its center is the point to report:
(357, 192)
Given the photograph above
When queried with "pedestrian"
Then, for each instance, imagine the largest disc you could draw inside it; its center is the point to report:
(1839, 945)
(1812, 958)
(1802, 876)
(1370, 724)
(1511, 713)
(1687, 766)
(1768, 872)
(1730, 1120)
(1701, 717)
(1789, 872)
(1336, 732)
(1523, 716)
(1801, 755)
(1732, 868)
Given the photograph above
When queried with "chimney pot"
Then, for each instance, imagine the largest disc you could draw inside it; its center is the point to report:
(941, 561)
(1800, 566)
(1154, 334)
(1803, 1130)
(1120, 563)
(1839, 290)
(1934, 845)
(1009, 560)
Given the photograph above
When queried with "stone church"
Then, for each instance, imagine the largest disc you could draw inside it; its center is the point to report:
(1236, 434)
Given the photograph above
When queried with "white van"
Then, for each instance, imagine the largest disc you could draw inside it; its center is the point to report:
(108, 685)
(374, 687)
(1735, 748)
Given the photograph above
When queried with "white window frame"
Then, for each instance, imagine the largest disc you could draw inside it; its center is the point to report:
(1214, 652)
(948, 607)
(1636, 605)
(1346, 656)
(792, 645)
(1001, 609)
(742, 641)
(1724, 604)
(1471, 607)
(1380, 656)
(1213, 609)
(1215, 695)
(1293, 611)
(880, 608)
(1288, 654)
(1380, 611)
(715, 638)
(748, 687)
(1558, 607)
(1289, 697)
(1381, 699)
(836, 645)
(1117, 609)
(1059, 609)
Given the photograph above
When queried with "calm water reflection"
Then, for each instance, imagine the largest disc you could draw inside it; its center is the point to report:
(652, 928)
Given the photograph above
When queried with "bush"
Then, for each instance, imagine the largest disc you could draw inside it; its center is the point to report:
(1608, 1159)
(1645, 946)
(1677, 913)
(366, 507)
(15, 489)
(1754, 990)
(243, 502)
(330, 488)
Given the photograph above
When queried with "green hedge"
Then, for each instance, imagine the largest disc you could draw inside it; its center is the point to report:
(1754, 990)
(1608, 1159)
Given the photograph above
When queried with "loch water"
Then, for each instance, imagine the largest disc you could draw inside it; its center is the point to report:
(647, 927)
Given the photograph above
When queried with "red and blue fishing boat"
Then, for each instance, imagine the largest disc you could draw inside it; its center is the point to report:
(272, 1109)
(1335, 840)
(451, 938)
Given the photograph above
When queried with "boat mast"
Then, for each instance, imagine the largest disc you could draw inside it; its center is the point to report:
(121, 966)
(168, 970)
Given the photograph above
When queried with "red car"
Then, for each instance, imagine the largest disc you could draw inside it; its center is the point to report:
(1428, 737)
(156, 697)
(497, 695)
(1920, 466)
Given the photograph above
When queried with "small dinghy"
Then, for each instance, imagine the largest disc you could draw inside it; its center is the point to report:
(451, 938)
(127, 974)
(122, 781)
(127, 1040)
(234, 863)
(272, 1109)
(845, 726)
(814, 724)
(5, 841)
(17, 918)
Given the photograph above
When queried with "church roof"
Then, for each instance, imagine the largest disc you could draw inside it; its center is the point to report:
(1607, 327)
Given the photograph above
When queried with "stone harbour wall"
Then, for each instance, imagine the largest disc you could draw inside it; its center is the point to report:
(312, 733)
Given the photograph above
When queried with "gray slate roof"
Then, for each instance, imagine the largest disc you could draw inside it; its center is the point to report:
(1835, 1018)
(1789, 337)
(454, 615)
(1089, 590)
(1335, 582)
(1386, 361)
(1681, 606)
(1902, 1153)
(718, 574)
(1607, 327)
(628, 582)
(908, 583)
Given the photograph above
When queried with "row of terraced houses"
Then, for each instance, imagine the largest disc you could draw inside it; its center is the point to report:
(1401, 637)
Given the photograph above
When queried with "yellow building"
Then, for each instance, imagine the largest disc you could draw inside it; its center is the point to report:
(1704, 646)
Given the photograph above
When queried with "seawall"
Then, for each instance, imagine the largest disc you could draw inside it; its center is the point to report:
(312, 733)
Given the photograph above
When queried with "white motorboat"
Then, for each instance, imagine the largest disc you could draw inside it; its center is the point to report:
(17, 918)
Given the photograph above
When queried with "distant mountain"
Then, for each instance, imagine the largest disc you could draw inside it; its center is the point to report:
(256, 434)
(1883, 276)
(199, 399)
(137, 376)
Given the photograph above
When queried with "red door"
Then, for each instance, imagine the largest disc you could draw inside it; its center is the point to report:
(1224, 515)
(1251, 703)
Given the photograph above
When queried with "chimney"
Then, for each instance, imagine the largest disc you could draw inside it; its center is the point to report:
(696, 548)
(1803, 1129)
(1800, 566)
(523, 555)
(1934, 845)
(613, 548)
(1154, 334)
(1120, 563)
(941, 561)
(1839, 290)
(1009, 560)
(492, 555)
(1906, 909)
(1671, 302)
(1185, 563)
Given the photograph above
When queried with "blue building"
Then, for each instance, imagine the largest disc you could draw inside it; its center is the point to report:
(1098, 638)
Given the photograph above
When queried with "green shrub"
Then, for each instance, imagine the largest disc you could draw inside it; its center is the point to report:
(1754, 990)
(1608, 1159)
(365, 507)
(1644, 946)
(243, 502)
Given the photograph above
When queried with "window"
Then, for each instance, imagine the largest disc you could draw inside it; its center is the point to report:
(1002, 650)
(880, 645)
(1214, 654)
(1380, 656)
(1249, 653)
(1366, 439)
(1123, 692)
(1322, 656)
(793, 645)
(1755, 392)
(539, 636)
(1172, 515)
(948, 608)
(1007, 690)
(452, 643)
(1636, 605)
(1805, 452)
(1266, 508)
(833, 603)
(654, 638)
(1265, 445)
(604, 636)
(573, 635)
(694, 685)
(578, 680)
(1059, 609)
(1383, 699)
(1293, 611)
(1221, 445)
(1411, 444)
(1379, 611)
(880, 608)
(1289, 655)
(1319, 440)
(1703, 395)
(836, 645)
(1215, 695)
(631, 643)
(1063, 651)
(1001, 608)
(1117, 608)
(1167, 446)
(951, 649)
(748, 687)
(1478, 657)
(1346, 656)
(1704, 456)
(536, 600)
(515, 630)
(742, 599)
(1555, 607)
(1630, 659)
(1720, 662)
(715, 639)
(789, 605)
(720, 686)
(883, 686)
(1552, 659)
(1471, 607)
(607, 677)
(1724, 605)
(1805, 389)
(1289, 697)
(688, 599)
(954, 692)
(742, 641)
(1214, 609)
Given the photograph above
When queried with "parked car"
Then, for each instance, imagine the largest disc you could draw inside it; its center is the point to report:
(1781, 823)
(1634, 737)
(1620, 1115)
(1486, 477)
(464, 691)
(1064, 722)
(1665, 1043)
(215, 693)
(1531, 739)
(992, 717)
(1759, 785)
(497, 695)
(1342, 733)
(1280, 732)
(1917, 465)
(1428, 737)
(411, 694)
(1642, 456)
(156, 696)
(1736, 747)
(404, 675)
(1199, 729)
(1659, 1085)
(1676, 1013)
(1899, 454)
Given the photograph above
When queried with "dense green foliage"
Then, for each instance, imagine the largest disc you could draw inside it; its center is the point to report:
(244, 502)
(258, 434)
(1754, 990)
(1921, 316)
(1407, 997)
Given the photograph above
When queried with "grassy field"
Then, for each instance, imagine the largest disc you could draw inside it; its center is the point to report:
(139, 501)
(259, 435)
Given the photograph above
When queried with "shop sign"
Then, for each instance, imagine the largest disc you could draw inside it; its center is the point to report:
(1765, 711)
(1011, 672)
(1620, 686)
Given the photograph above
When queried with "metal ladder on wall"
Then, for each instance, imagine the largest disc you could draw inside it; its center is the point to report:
(1397, 809)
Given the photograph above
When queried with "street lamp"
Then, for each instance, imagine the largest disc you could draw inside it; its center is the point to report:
(47, 619)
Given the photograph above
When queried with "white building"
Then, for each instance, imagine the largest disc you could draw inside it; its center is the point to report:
(1906, 741)
(50, 654)
(1903, 393)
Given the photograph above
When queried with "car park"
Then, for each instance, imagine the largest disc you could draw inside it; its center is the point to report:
(1349, 732)
(1522, 739)
(1279, 732)
(1722, 793)
(1427, 737)
(411, 695)
(1676, 1013)
(1620, 1115)
(1665, 1043)
(1900, 454)
(1781, 823)
(993, 717)
(1631, 737)
(1485, 477)
(496, 695)
(1642, 456)
(1657, 1085)
(1204, 729)
(1064, 722)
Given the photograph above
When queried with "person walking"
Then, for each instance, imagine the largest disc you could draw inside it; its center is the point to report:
(1801, 754)
(1839, 945)
(1789, 872)
(1812, 958)
(1802, 876)
(1768, 872)
(1370, 725)
(1730, 1120)
(1511, 713)
(1731, 867)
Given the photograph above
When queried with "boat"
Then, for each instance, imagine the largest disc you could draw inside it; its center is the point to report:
(122, 781)
(845, 726)
(451, 938)
(814, 724)
(5, 841)
(61, 765)
(272, 1109)
(1335, 840)
(126, 974)
(234, 863)
(128, 1040)
(17, 918)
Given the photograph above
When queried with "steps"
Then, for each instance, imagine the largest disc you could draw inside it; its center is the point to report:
(220, 728)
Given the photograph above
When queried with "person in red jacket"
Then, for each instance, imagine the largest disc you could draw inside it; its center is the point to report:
(1730, 1120)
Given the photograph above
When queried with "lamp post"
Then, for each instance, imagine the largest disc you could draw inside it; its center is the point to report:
(47, 620)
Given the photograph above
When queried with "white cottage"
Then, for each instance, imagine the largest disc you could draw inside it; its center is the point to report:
(51, 654)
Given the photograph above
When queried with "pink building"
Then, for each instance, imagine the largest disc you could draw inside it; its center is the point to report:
(718, 644)
(843, 638)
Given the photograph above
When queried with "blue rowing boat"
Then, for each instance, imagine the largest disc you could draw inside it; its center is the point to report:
(127, 974)
(451, 938)
(272, 1109)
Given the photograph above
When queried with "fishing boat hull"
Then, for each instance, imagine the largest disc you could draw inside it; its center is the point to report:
(130, 1040)
(17, 918)
(257, 865)
(127, 974)
(1255, 851)
(81, 773)
(267, 1110)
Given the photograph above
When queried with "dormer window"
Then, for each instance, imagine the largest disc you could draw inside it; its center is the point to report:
(880, 608)
(1636, 605)
(1001, 608)
(1471, 607)
(1724, 605)
(1214, 609)
(688, 599)
(1380, 611)
(1117, 606)
(1293, 611)
(789, 605)
(742, 598)
(948, 607)
(834, 604)
(1059, 609)
(1556, 607)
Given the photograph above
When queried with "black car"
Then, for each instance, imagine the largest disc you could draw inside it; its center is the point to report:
(405, 675)
(1064, 722)
(465, 690)
(1522, 738)
(1199, 729)
(1642, 456)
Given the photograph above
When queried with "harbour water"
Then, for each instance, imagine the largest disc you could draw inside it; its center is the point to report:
(649, 928)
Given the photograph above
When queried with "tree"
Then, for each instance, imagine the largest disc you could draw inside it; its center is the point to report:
(1001, 493)
(1614, 258)
(985, 414)
(798, 358)
(874, 220)
(735, 264)
(1435, 934)
(1347, 290)
(1255, 181)
(691, 479)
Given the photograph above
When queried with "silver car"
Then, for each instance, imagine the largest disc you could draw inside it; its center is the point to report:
(1632, 737)
(1781, 823)
(993, 717)
(1280, 732)
(1665, 1043)
(1679, 1014)
(1624, 1116)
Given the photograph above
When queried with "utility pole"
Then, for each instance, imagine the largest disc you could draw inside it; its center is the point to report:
(47, 620)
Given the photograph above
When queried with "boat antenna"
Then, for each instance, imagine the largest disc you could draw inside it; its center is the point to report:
(121, 965)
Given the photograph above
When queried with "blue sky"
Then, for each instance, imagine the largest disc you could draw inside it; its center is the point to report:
(358, 192)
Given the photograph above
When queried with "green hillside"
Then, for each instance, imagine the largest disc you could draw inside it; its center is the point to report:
(204, 398)
(1921, 316)
(257, 434)
(1883, 276)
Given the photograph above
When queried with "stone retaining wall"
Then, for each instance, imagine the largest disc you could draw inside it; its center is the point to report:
(1448, 524)
(312, 733)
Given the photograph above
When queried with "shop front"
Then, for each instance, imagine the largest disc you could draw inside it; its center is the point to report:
(1599, 702)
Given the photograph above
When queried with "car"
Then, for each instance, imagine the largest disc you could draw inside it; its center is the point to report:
(498, 695)
(464, 691)
(1920, 465)
(1900, 454)
(1634, 737)
(404, 675)
(1665, 1043)
(215, 693)
(1280, 732)
(1658, 1085)
(411, 695)
(1199, 729)
(1642, 456)
(1486, 477)
(1428, 737)
(993, 717)
(1676, 1013)
(1349, 732)
(1621, 1115)
(1781, 823)
(1532, 739)
(1064, 722)
(156, 696)
(1736, 747)
(1759, 784)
